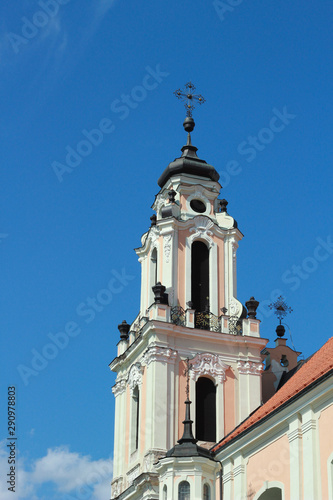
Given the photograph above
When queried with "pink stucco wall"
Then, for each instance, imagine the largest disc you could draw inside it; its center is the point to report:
(271, 463)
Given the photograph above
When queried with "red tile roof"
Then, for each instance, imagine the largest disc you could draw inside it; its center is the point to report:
(317, 366)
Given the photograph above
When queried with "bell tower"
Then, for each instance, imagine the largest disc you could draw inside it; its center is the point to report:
(188, 310)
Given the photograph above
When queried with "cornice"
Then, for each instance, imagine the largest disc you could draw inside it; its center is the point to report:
(141, 342)
(171, 223)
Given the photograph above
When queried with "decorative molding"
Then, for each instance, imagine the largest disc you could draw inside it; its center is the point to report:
(309, 425)
(116, 487)
(228, 476)
(295, 434)
(119, 387)
(198, 194)
(234, 307)
(167, 241)
(239, 469)
(133, 474)
(151, 458)
(135, 376)
(208, 364)
(201, 229)
(234, 246)
(161, 354)
(249, 367)
(154, 233)
(160, 201)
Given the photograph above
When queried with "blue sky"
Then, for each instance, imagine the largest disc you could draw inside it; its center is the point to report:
(67, 230)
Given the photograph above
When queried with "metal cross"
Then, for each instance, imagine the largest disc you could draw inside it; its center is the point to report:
(281, 309)
(188, 95)
(187, 374)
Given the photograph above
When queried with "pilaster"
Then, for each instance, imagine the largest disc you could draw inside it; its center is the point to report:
(311, 458)
(239, 474)
(295, 449)
(228, 480)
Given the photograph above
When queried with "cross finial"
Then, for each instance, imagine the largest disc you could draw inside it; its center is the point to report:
(187, 374)
(281, 309)
(189, 96)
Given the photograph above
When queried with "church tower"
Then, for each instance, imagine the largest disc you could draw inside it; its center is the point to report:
(188, 311)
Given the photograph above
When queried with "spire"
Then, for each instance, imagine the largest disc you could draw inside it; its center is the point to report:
(187, 446)
(189, 96)
(189, 163)
(187, 434)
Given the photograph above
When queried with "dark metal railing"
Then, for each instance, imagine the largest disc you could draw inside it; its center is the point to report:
(178, 316)
(206, 320)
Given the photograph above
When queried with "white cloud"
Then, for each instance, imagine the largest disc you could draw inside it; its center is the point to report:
(67, 472)
(24, 488)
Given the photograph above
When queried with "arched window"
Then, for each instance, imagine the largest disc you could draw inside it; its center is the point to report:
(184, 491)
(200, 276)
(135, 420)
(205, 410)
(165, 493)
(271, 494)
(206, 492)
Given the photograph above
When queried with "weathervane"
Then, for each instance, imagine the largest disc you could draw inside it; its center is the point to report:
(187, 375)
(189, 96)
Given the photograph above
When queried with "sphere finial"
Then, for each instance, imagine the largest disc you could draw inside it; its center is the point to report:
(188, 124)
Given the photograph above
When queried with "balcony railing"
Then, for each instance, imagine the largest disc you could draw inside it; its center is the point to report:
(206, 320)
(178, 316)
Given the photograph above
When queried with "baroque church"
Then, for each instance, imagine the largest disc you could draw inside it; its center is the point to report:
(203, 409)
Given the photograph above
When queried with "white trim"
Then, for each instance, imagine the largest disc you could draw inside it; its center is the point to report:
(271, 484)
(311, 454)
(239, 477)
(295, 455)
(212, 365)
(198, 195)
(220, 410)
(330, 476)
